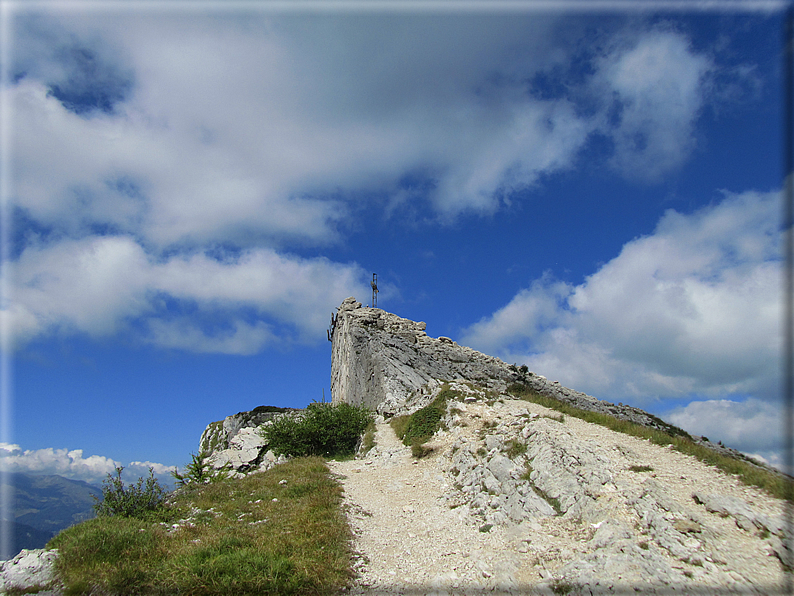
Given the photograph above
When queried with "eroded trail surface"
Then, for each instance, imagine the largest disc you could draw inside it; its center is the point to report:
(513, 501)
(406, 532)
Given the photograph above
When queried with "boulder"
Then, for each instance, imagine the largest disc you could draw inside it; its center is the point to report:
(29, 570)
(236, 444)
(218, 435)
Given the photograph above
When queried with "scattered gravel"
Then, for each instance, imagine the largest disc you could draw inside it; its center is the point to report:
(417, 532)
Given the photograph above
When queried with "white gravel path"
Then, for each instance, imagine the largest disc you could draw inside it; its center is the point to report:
(410, 541)
(407, 534)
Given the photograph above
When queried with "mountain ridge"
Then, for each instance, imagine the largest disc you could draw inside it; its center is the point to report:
(45, 503)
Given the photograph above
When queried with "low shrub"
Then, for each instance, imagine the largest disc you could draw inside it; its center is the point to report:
(422, 424)
(516, 448)
(137, 500)
(198, 471)
(419, 449)
(399, 424)
(326, 430)
(368, 442)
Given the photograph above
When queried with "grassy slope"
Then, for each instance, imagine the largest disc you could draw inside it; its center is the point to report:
(301, 546)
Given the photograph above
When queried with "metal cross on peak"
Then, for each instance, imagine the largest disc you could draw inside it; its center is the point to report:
(374, 285)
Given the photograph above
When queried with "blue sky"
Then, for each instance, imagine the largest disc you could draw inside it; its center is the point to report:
(189, 192)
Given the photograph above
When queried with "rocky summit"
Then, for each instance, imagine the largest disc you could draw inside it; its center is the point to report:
(392, 366)
(509, 495)
(513, 497)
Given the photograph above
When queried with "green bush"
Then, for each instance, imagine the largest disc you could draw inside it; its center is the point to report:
(137, 500)
(368, 442)
(422, 424)
(325, 430)
(198, 471)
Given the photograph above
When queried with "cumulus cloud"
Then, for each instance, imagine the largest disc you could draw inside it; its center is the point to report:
(63, 462)
(752, 426)
(70, 463)
(102, 285)
(226, 131)
(692, 308)
(658, 86)
(142, 467)
(141, 143)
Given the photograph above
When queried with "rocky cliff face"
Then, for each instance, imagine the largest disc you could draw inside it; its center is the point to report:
(392, 366)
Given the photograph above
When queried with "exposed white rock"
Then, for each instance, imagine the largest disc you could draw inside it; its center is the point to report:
(392, 366)
(469, 508)
(741, 511)
(236, 444)
(29, 570)
(219, 435)
(248, 452)
(381, 360)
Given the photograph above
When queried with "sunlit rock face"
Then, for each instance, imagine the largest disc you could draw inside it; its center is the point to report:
(392, 366)
(236, 443)
(388, 363)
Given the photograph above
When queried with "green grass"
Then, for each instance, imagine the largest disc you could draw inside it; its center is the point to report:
(561, 588)
(553, 501)
(241, 541)
(35, 589)
(419, 449)
(399, 424)
(774, 484)
(368, 442)
(416, 429)
(515, 448)
(640, 469)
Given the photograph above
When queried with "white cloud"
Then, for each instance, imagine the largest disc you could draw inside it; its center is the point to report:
(263, 134)
(140, 468)
(752, 426)
(63, 462)
(101, 285)
(658, 86)
(529, 312)
(243, 129)
(694, 307)
(68, 463)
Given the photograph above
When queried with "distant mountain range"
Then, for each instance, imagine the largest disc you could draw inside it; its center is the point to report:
(42, 506)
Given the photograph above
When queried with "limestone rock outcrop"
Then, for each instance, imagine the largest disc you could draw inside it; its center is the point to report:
(218, 435)
(381, 361)
(392, 366)
(236, 445)
(570, 507)
(31, 571)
